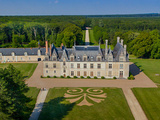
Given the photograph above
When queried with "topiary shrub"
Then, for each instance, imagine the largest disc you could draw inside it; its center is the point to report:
(68, 77)
(41, 76)
(88, 77)
(131, 77)
(114, 77)
(75, 77)
(95, 77)
(48, 76)
(102, 77)
(128, 78)
(81, 77)
(61, 76)
(54, 76)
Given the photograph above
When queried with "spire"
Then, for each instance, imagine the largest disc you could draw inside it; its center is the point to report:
(122, 42)
(74, 43)
(106, 46)
(118, 38)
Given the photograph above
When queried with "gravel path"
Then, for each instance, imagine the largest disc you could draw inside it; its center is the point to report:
(39, 105)
(141, 80)
(87, 37)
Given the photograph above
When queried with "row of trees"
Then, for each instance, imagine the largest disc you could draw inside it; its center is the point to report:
(142, 36)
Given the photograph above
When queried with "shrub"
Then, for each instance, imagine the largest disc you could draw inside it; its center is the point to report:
(81, 77)
(48, 76)
(41, 76)
(128, 78)
(54, 76)
(88, 77)
(95, 77)
(75, 77)
(102, 77)
(68, 77)
(62, 76)
(114, 77)
(131, 77)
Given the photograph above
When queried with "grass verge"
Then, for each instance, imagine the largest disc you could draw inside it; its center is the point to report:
(149, 101)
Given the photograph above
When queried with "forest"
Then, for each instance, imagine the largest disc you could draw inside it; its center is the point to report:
(140, 33)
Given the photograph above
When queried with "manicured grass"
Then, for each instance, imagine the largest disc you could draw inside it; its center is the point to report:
(113, 107)
(26, 69)
(149, 99)
(132, 57)
(32, 93)
(84, 35)
(150, 67)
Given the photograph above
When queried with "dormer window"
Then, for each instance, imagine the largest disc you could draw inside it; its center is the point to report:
(78, 58)
(121, 59)
(72, 58)
(99, 59)
(39, 53)
(25, 53)
(13, 54)
(91, 58)
(110, 59)
(85, 59)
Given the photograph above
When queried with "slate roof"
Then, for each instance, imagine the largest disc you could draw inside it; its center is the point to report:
(21, 51)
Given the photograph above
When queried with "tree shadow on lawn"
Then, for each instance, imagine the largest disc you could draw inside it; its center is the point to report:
(55, 109)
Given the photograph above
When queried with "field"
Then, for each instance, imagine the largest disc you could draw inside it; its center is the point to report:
(150, 67)
(26, 69)
(32, 93)
(149, 100)
(113, 105)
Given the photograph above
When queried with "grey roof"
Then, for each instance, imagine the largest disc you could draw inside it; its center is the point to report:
(21, 51)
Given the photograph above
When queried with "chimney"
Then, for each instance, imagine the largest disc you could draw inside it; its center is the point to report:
(106, 46)
(125, 49)
(62, 46)
(50, 49)
(122, 42)
(118, 38)
(46, 47)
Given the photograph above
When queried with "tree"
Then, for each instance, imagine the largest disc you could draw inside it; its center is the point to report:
(12, 88)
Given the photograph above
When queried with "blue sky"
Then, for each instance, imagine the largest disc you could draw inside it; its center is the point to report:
(78, 7)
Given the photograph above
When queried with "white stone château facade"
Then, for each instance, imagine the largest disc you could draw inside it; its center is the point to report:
(87, 61)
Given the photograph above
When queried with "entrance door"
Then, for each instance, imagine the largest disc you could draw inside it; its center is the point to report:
(64, 75)
(121, 74)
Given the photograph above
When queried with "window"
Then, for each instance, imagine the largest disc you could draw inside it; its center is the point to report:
(64, 63)
(29, 58)
(121, 66)
(46, 65)
(85, 65)
(98, 74)
(46, 71)
(91, 58)
(85, 73)
(54, 58)
(78, 65)
(72, 73)
(64, 70)
(110, 66)
(21, 58)
(72, 59)
(54, 71)
(0, 54)
(13, 58)
(91, 74)
(85, 59)
(91, 66)
(110, 73)
(78, 73)
(54, 65)
(72, 65)
(25, 53)
(0, 58)
(99, 66)
(99, 59)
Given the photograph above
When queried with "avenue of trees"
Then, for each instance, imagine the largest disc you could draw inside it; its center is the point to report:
(141, 33)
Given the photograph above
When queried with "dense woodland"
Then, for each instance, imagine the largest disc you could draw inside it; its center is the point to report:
(141, 34)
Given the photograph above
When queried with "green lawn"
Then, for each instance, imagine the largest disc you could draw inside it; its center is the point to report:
(84, 35)
(32, 93)
(26, 69)
(149, 99)
(150, 67)
(114, 106)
